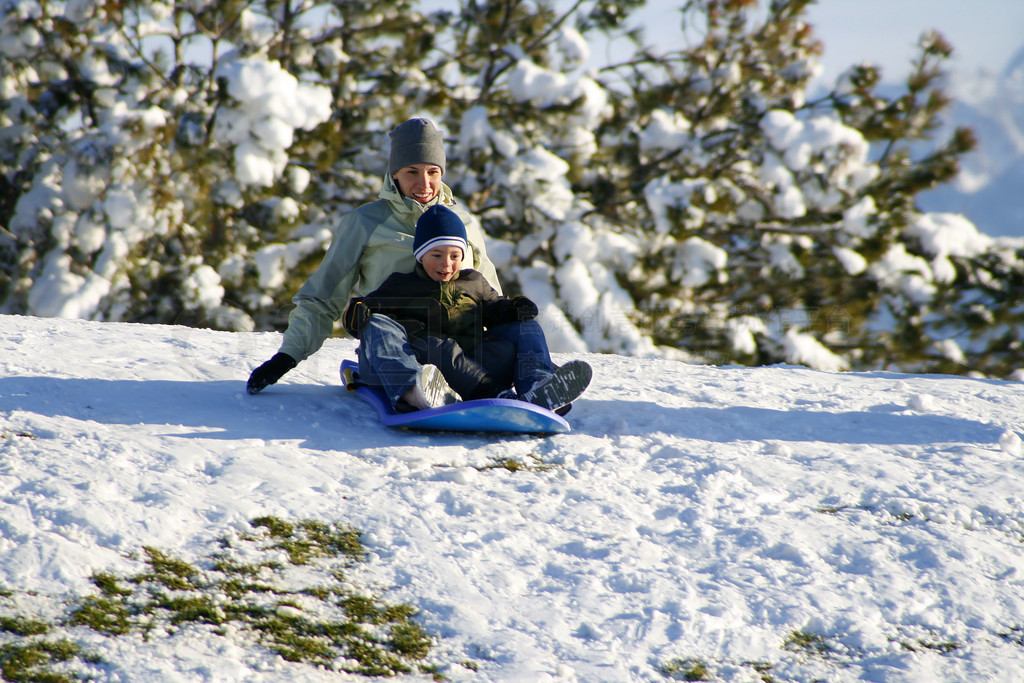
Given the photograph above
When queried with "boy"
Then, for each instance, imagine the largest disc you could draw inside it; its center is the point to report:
(456, 336)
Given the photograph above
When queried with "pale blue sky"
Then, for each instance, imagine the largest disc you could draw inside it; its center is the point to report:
(984, 33)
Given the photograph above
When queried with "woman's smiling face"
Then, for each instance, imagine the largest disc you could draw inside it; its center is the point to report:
(421, 182)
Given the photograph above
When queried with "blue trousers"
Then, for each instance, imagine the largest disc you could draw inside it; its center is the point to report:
(515, 353)
(532, 357)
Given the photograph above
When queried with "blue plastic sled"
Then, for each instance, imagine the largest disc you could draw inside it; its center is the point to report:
(484, 415)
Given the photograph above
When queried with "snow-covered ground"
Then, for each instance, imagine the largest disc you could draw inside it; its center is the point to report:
(693, 513)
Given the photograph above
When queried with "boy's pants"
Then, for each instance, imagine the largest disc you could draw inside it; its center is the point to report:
(511, 354)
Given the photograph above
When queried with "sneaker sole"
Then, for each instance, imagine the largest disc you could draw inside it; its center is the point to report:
(564, 387)
(435, 388)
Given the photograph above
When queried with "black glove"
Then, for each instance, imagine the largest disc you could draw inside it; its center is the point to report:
(524, 308)
(356, 316)
(269, 372)
(512, 310)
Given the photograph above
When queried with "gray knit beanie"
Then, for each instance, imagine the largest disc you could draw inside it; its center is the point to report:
(416, 141)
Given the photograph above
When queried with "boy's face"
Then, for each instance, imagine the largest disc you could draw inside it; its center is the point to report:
(422, 182)
(442, 263)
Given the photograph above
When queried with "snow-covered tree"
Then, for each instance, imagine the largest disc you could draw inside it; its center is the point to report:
(186, 161)
(701, 200)
(159, 158)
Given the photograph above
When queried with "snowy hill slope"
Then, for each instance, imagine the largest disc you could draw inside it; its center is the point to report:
(773, 522)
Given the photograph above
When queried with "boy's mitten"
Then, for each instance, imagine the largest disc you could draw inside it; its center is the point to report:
(511, 310)
(524, 308)
(269, 372)
(356, 316)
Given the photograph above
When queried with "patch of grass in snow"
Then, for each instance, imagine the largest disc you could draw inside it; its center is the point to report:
(836, 509)
(827, 650)
(893, 515)
(30, 662)
(685, 670)
(762, 668)
(310, 539)
(20, 626)
(267, 584)
(696, 669)
(535, 464)
(9, 434)
(809, 643)
(945, 647)
(30, 657)
(532, 463)
(1015, 635)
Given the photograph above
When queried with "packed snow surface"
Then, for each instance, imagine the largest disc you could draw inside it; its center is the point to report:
(692, 513)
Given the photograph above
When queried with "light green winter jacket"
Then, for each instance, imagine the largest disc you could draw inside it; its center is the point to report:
(369, 244)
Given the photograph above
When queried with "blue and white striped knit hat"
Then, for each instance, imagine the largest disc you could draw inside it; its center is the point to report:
(439, 226)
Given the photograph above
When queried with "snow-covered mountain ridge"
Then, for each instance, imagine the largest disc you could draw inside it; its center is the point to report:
(759, 521)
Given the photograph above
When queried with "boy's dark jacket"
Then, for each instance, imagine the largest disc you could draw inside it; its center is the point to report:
(459, 309)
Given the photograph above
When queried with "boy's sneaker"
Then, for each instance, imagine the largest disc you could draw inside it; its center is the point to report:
(561, 388)
(430, 390)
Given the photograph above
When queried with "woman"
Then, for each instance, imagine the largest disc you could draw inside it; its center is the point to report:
(372, 242)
